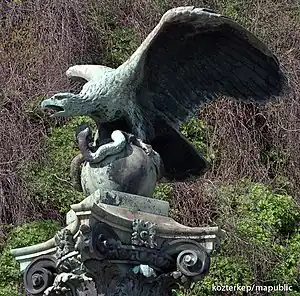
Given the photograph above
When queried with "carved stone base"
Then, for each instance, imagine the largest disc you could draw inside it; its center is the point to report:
(108, 249)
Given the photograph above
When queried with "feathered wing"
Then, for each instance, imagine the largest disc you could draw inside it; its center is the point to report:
(195, 55)
(87, 72)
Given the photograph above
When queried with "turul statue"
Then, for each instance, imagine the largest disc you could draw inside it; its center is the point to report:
(119, 239)
(191, 57)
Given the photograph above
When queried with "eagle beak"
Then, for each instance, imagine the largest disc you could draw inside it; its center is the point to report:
(56, 103)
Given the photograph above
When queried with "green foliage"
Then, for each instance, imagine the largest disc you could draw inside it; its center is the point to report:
(121, 45)
(223, 271)
(287, 270)
(118, 40)
(196, 131)
(273, 157)
(33, 110)
(9, 290)
(49, 181)
(263, 215)
(274, 160)
(163, 191)
(32, 233)
(263, 239)
(9, 269)
(22, 236)
(163, 5)
(20, 35)
(234, 9)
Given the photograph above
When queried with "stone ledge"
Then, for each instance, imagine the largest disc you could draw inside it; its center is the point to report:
(124, 200)
(116, 234)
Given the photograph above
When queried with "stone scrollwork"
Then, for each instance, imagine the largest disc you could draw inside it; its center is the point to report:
(103, 244)
(134, 259)
(60, 275)
(173, 262)
(39, 275)
(144, 233)
(71, 275)
(192, 263)
(116, 251)
(192, 259)
(83, 239)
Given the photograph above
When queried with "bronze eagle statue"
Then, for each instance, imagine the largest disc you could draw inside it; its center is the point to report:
(193, 56)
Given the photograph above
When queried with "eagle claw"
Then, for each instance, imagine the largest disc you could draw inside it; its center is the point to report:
(139, 143)
(147, 148)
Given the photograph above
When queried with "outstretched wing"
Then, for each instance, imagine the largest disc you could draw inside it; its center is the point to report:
(87, 72)
(194, 55)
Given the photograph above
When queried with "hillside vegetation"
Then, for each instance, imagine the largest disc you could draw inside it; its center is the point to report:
(253, 188)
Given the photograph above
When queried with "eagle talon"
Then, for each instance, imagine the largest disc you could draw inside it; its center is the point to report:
(138, 142)
(147, 148)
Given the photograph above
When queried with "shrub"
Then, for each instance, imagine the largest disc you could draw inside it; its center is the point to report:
(163, 191)
(197, 132)
(121, 45)
(263, 215)
(234, 9)
(262, 240)
(224, 271)
(22, 236)
(49, 181)
(287, 270)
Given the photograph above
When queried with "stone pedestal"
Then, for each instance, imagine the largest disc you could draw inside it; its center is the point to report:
(118, 244)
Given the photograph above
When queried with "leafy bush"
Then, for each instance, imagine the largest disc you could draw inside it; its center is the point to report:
(22, 236)
(49, 181)
(234, 9)
(272, 214)
(263, 239)
(224, 271)
(163, 191)
(287, 270)
(122, 44)
(9, 290)
(197, 131)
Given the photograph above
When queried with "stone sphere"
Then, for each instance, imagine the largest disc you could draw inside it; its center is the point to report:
(131, 171)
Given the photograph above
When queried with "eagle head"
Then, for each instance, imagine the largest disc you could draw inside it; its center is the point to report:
(65, 104)
(95, 99)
